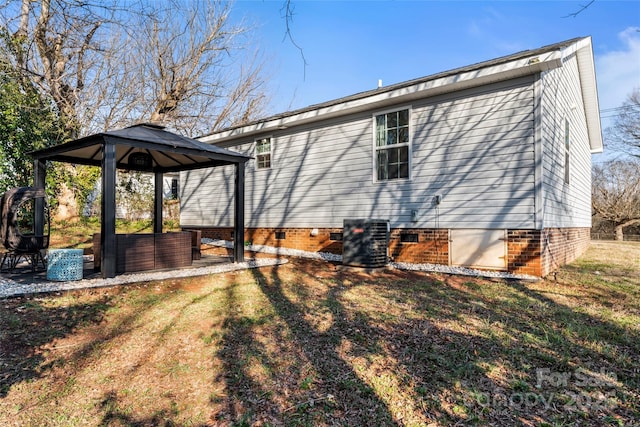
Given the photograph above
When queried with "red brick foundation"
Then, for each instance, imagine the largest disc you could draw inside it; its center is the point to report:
(533, 252)
(524, 252)
(540, 252)
(432, 246)
(295, 238)
(563, 245)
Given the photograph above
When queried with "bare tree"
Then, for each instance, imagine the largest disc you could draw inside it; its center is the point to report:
(616, 193)
(189, 67)
(112, 64)
(108, 64)
(55, 45)
(625, 132)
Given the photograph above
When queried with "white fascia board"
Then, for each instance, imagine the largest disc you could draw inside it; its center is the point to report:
(522, 67)
(588, 83)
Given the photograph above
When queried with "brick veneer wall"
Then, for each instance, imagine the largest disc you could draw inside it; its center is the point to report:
(296, 238)
(524, 252)
(432, 246)
(539, 252)
(533, 252)
(563, 245)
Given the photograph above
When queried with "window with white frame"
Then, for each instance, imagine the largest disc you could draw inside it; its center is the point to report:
(392, 142)
(263, 153)
(567, 152)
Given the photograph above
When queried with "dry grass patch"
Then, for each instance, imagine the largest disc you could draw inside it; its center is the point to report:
(307, 344)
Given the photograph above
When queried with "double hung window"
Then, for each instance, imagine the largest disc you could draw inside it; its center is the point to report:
(263, 153)
(392, 141)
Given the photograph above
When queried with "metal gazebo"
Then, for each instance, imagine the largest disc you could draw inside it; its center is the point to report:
(146, 148)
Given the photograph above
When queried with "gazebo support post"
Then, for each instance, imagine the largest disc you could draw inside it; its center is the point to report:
(238, 230)
(157, 203)
(40, 173)
(108, 211)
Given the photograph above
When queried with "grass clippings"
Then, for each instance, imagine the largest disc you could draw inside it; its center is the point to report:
(306, 344)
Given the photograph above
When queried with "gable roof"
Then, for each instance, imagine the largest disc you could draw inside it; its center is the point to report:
(169, 151)
(519, 64)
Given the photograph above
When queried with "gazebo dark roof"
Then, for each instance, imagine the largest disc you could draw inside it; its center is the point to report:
(160, 151)
(170, 152)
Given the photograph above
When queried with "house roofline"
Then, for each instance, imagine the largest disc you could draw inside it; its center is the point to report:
(520, 64)
(587, 72)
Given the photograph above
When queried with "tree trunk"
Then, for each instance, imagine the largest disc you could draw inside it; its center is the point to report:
(619, 227)
(67, 206)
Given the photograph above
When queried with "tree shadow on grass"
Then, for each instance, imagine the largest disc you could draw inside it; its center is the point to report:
(30, 325)
(114, 415)
(27, 325)
(458, 354)
(316, 346)
(304, 381)
(321, 386)
(534, 341)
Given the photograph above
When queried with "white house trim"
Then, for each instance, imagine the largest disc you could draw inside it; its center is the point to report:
(588, 83)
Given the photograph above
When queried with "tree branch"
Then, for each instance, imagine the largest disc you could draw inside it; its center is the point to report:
(288, 19)
(582, 9)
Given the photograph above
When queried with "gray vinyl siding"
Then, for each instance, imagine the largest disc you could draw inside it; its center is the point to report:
(565, 205)
(475, 148)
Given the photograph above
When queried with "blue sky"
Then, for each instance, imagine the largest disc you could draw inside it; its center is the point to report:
(349, 45)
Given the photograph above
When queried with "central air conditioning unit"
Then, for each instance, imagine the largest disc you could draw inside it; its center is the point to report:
(365, 242)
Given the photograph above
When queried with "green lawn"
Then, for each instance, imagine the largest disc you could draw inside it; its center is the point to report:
(79, 233)
(305, 344)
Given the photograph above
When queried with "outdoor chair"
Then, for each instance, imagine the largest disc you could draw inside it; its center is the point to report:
(18, 229)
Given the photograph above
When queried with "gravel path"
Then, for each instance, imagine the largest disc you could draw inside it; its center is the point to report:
(10, 288)
(437, 268)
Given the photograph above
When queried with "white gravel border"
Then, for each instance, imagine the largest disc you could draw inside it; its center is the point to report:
(10, 288)
(276, 251)
(435, 268)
